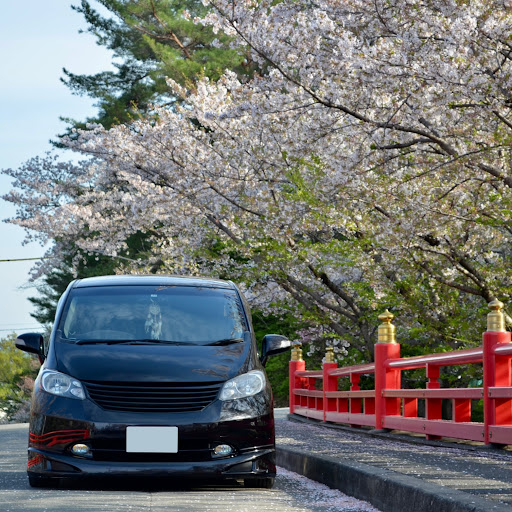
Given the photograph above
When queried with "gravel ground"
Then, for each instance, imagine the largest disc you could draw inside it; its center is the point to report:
(483, 472)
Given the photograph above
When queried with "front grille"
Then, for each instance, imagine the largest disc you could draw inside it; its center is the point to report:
(152, 397)
(116, 452)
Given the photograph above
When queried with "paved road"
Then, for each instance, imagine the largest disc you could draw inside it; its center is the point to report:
(292, 493)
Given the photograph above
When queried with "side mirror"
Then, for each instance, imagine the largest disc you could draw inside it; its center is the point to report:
(272, 345)
(32, 343)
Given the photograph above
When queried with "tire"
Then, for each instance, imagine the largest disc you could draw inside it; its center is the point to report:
(41, 482)
(259, 483)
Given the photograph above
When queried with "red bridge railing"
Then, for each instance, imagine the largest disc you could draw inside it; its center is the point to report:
(315, 394)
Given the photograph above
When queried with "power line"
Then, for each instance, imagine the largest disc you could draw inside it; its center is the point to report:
(3, 324)
(24, 259)
(22, 328)
(47, 258)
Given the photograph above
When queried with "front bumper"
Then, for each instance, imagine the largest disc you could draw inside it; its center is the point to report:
(254, 464)
(53, 435)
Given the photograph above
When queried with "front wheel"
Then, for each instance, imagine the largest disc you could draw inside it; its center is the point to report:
(259, 483)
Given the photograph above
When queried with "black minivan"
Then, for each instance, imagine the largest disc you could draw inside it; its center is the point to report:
(154, 376)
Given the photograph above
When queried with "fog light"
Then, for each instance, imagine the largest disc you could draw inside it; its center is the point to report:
(222, 450)
(81, 449)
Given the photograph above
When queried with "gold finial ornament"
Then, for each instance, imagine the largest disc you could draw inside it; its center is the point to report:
(329, 355)
(496, 318)
(386, 328)
(297, 351)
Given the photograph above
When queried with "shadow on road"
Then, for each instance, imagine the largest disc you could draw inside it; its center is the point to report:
(145, 485)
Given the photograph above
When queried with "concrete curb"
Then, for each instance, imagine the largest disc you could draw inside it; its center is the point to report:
(384, 489)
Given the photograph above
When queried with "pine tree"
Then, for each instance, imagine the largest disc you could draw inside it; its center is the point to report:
(150, 40)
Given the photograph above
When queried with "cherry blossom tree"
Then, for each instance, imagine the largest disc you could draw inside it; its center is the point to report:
(370, 167)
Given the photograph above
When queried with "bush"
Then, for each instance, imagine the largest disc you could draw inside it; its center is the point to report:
(277, 366)
(17, 373)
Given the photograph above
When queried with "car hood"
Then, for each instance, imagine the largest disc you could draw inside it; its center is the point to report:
(152, 363)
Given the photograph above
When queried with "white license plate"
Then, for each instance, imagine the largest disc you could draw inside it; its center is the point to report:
(152, 439)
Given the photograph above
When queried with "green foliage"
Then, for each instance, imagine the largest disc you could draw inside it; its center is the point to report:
(277, 366)
(277, 371)
(15, 366)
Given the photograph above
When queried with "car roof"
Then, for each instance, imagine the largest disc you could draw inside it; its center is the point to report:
(155, 280)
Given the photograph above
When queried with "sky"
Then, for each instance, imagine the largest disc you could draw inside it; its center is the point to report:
(37, 39)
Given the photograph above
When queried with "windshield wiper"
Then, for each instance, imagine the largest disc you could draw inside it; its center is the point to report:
(226, 341)
(145, 341)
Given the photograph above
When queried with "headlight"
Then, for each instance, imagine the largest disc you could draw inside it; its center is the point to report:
(245, 385)
(61, 384)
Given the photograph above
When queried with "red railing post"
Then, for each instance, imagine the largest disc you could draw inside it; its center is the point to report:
(497, 371)
(329, 383)
(461, 410)
(355, 404)
(433, 406)
(296, 364)
(385, 378)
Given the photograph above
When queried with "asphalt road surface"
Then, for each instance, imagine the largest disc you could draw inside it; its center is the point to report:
(292, 493)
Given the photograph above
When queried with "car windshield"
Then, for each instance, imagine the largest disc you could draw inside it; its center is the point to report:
(180, 314)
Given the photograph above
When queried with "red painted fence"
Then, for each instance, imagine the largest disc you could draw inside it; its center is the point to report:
(315, 394)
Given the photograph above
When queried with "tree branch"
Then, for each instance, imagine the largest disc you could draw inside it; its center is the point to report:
(222, 227)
